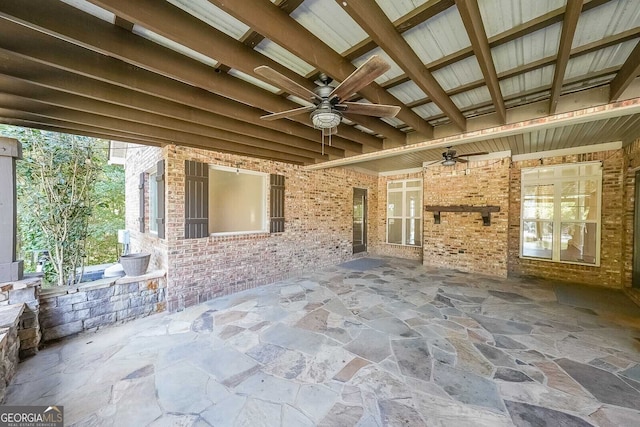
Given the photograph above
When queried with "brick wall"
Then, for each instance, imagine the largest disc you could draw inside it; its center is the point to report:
(318, 227)
(143, 159)
(610, 271)
(461, 241)
(632, 162)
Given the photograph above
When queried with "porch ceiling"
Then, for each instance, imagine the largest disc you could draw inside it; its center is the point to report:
(181, 72)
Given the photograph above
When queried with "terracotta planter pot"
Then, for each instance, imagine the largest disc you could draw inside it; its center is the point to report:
(135, 264)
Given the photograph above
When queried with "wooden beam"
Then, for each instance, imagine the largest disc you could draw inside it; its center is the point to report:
(629, 71)
(373, 20)
(571, 16)
(74, 129)
(48, 77)
(518, 31)
(472, 19)
(22, 105)
(252, 38)
(412, 19)
(273, 23)
(40, 95)
(97, 35)
(183, 28)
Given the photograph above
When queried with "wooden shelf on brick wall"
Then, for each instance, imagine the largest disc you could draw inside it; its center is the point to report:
(485, 211)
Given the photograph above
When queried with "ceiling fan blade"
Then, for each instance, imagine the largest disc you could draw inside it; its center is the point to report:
(458, 159)
(373, 68)
(286, 83)
(377, 110)
(479, 153)
(288, 113)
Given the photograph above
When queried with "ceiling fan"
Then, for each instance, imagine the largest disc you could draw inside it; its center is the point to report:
(328, 102)
(449, 157)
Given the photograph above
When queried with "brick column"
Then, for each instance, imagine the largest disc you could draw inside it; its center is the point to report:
(10, 268)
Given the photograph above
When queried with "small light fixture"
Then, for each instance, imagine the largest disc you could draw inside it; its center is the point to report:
(448, 162)
(325, 118)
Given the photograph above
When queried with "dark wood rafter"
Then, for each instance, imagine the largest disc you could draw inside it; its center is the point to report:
(228, 144)
(12, 86)
(603, 43)
(570, 22)
(629, 71)
(164, 18)
(24, 71)
(252, 38)
(70, 120)
(472, 20)
(373, 20)
(516, 32)
(108, 39)
(278, 26)
(416, 17)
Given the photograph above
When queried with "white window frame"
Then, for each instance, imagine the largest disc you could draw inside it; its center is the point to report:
(153, 201)
(557, 180)
(263, 198)
(405, 215)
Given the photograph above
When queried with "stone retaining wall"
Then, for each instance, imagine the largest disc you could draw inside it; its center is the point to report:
(24, 292)
(9, 344)
(70, 310)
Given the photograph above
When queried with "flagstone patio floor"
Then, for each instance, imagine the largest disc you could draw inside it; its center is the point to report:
(371, 342)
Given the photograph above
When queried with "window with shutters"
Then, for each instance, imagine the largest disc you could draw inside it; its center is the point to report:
(223, 201)
(237, 201)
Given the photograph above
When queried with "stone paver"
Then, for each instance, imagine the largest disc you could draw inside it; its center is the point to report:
(373, 342)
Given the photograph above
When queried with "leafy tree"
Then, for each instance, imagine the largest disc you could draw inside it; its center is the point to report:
(70, 201)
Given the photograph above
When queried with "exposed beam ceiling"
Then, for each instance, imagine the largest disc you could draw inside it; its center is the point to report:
(181, 72)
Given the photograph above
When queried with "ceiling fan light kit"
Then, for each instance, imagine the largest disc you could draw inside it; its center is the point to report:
(326, 115)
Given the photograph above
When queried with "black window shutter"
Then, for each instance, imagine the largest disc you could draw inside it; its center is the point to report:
(196, 200)
(160, 179)
(141, 202)
(277, 203)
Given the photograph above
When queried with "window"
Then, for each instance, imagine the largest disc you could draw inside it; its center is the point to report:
(153, 202)
(237, 201)
(560, 218)
(404, 212)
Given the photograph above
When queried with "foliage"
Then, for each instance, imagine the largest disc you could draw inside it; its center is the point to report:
(70, 201)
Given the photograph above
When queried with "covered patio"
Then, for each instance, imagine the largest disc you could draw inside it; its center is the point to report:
(374, 341)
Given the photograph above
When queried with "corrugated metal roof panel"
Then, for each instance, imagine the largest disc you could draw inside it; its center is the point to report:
(92, 9)
(439, 36)
(599, 60)
(393, 121)
(393, 72)
(458, 74)
(213, 16)
(395, 9)
(427, 110)
(254, 81)
(330, 23)
(284, 57)
(407, 92)
(608, 19)
(525, 50)
(499, 15)
(542, 77)
(163, 41)
(472, 97)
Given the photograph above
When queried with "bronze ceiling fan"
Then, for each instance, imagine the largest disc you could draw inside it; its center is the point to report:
(449, 157)
(328, 102)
